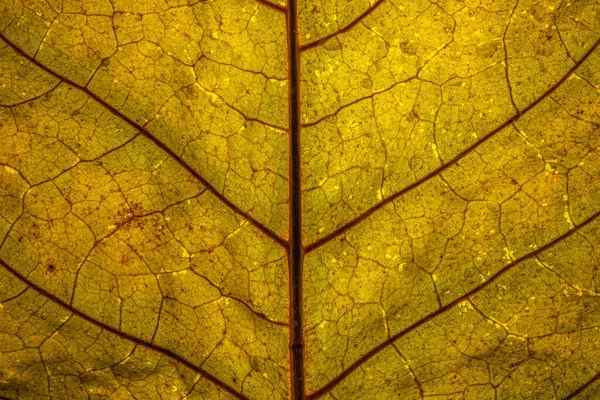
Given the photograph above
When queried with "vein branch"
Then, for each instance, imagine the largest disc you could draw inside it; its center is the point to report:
(274, 6)
(367, 213)
(335, 381)
(266, 230)
(159, 349)
(346, 28)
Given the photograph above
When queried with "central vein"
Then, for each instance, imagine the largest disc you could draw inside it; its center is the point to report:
(295, 251)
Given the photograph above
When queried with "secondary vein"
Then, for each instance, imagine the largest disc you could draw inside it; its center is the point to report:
(266, 230)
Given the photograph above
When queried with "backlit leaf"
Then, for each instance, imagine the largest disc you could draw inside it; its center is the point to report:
(261, 199)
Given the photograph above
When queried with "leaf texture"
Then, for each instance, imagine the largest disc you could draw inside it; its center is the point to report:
(261, 199)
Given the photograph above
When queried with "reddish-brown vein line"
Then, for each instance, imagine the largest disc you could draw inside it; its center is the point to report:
(123, 335)
(277, 7)
(267, 231)
(362, 16)
(450, 163)
(445, 308)
(582, 388)
(295, 250)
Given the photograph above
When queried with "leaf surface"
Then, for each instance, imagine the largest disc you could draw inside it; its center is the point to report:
(350, 199)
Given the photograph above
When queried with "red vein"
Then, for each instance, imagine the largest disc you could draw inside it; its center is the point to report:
(322, 40)
(295, 250)
(123, 335)
(267, 231)
(457, 158)
(254, 312)
(20, 103)
(353, 102)
(335, 381)
(582, 388)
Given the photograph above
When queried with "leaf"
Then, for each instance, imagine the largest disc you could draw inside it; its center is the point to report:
(259, 200)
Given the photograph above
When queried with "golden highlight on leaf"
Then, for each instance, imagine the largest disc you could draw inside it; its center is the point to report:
(301, 199)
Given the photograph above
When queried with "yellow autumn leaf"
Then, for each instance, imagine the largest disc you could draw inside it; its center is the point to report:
(261, 199)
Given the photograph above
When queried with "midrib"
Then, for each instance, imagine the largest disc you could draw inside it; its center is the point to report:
(295, 250)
